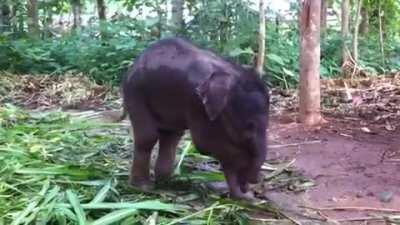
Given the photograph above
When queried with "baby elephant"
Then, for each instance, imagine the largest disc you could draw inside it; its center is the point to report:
(175, 86)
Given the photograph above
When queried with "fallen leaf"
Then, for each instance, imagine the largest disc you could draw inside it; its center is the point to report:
(386, 196)
(366, 129)
(389, 126)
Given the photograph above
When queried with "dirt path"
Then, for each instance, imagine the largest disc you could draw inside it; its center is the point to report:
(350, 168)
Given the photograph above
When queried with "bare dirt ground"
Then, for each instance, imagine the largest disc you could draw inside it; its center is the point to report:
(352, 169)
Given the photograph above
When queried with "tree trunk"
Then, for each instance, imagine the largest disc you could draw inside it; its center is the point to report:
(261, 40)
(300, 4)
(324, 16)
(310, 96)
(277, 23)
(21, 21)
(101, 10)
(345, 29)
(364, 25)
(33, 18)
(14, 15)
(177, 16)
(381, 42)
(76, 11)
(5, 17)
(161, 9)
(355, 35)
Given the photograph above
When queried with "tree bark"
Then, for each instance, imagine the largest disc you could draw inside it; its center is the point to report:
(33, 18)
(364, 25)
(5, 17)
(14, 22)
(76, 11)
(381, 42)
(277, 23)
(47, 22)
(355, 35)
(177, 16)
(324, 16)
(310, 97)
(161, 9)
(101, 10)
(21, 21)
(261, 39)
(300, 4)
(345, 29)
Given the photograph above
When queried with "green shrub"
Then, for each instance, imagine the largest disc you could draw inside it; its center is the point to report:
(106, 55)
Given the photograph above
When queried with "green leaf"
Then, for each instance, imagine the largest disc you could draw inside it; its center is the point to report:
(238, 51)
(276, 59)
(111, 54)
(204, 176)
(73, 171)
(145, 205)
(64, 212)
(151, 21)
(31, 206)
(76, 205)
(185, 151)
(288, 72)
(102, 194)
(114, 217)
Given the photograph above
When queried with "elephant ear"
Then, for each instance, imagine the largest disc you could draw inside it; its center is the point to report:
(214, 93)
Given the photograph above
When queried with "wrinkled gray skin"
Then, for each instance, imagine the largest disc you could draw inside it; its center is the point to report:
(175, 86)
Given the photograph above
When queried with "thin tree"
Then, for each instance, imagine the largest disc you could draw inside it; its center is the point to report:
(5, 17)
(33, 18)
(160, 7)
(261, 39)
(364, 25)
(177, 16)
(310, 96)
(18, 17)
(356, 27)
(76, 11)
(345, 23)
(381, 42)
(101, 10)
(14, 15)
(324, 16)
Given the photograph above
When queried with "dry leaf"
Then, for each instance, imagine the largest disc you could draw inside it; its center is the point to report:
(389, 126)
(366, 129)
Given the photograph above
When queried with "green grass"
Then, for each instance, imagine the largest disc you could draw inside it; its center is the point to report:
(56, 169)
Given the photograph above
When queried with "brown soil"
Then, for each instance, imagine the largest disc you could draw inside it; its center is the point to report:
(350, 168)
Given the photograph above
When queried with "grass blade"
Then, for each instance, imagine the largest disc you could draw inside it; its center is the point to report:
(212, 207)
(145, 205)
(31, 206)
(76, 205)
(64, 212)
(152, 220)
(74, 171)
(50, 195)
(102, 194)
(114, 217)
(201, 176)
(184, 153)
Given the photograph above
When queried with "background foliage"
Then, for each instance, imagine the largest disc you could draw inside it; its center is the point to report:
(104, 49)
